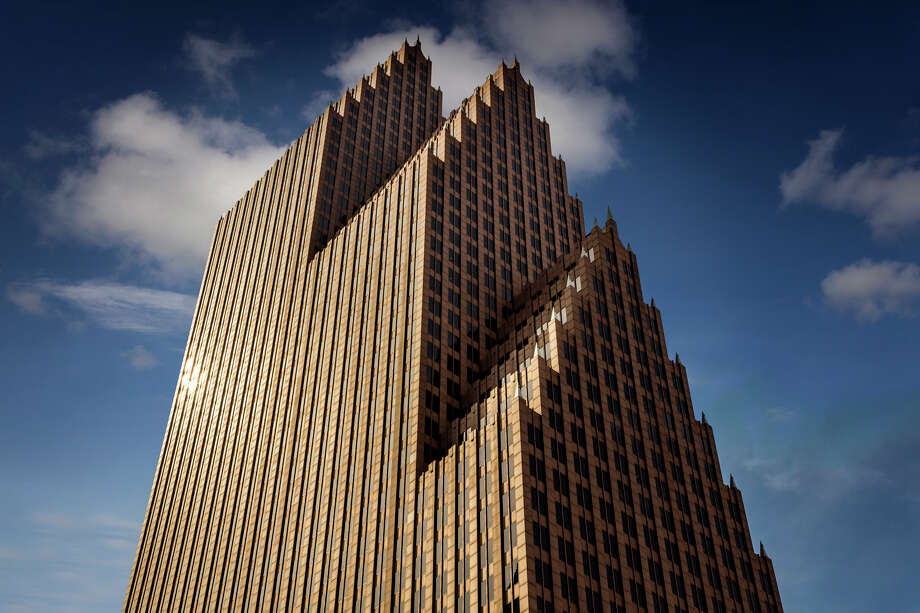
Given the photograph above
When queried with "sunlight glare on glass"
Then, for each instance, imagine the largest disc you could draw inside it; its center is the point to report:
(191, 376)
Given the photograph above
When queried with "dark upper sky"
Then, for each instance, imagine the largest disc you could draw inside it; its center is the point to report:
(762, 160)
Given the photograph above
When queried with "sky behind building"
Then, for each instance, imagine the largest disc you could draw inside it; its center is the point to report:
(761, 162)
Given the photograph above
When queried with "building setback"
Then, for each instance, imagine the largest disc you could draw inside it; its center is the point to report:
(412, 383)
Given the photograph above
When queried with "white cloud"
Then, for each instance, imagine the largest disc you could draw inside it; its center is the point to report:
(459, 61)
(566, 33)
(883, 190)
(872, 289)
(158, 181)
(566, 49)
(214, 60)
(582, 119)
(155, 180)
(112, 305)
(140, 358)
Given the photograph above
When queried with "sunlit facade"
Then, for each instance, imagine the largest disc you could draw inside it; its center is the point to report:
(413, 383)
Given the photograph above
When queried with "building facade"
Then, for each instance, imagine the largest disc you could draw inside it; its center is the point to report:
(413, 383)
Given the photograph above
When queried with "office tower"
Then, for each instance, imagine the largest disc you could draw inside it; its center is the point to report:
(413, 383)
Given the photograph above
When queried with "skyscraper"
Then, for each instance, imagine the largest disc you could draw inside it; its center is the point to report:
(413, 383)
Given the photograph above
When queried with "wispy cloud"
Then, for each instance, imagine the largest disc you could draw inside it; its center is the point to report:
(101, 526)
(780, 414)
(883, 190)
(27, 298)
(214, 60)
(140, 358)
(109, 305)
(157, 182)
(827, 482)
(40, 146)
(53, 521)
(569, 50)
(8, 553)
(872, 289)
(67, 562)
(317, 104)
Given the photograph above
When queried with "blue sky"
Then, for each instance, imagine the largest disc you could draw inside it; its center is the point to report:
(763, 162)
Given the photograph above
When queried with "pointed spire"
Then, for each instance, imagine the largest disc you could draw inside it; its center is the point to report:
(417, 41)
(763, 552)
(731, 481)
(609, 214)
(595, 223)
(653, 303)
(703, 417)
(514, 64)
(677, 357)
